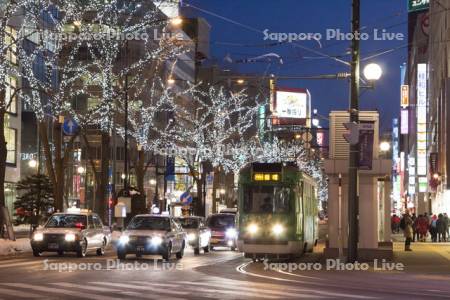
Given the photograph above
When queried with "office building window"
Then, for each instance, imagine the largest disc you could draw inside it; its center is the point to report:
(10, 42)
(11, 146)
(11, 96)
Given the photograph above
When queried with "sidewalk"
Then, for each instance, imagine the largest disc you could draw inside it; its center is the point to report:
(426, 258)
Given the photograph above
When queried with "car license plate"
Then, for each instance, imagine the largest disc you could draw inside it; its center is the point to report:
(215, 240)
(53, 246)
(140, 248)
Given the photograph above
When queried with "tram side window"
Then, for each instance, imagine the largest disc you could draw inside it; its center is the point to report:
(266, 199)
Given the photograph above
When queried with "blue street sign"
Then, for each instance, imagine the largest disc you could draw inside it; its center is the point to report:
(186, 198)
(70, 127)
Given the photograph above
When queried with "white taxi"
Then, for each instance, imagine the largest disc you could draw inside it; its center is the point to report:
(71, 232)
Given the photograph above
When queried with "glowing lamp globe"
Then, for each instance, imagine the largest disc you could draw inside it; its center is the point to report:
(372, 72)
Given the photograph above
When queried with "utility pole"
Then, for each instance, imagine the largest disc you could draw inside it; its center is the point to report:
(353, 208)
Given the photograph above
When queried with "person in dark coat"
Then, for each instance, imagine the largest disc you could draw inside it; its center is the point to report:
(441, 228)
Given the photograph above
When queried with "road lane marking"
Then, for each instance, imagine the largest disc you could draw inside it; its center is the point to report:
(241, 269)
(17, 293)
(59, 291)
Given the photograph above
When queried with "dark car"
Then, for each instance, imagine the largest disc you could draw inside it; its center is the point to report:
(223, 230)
(152, 234)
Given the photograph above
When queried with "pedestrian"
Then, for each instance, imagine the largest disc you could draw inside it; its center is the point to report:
(406, 224)
(415, 228)
(447, 225)
(394, 223)
(422, 228)
(441, 228)
(433, 229)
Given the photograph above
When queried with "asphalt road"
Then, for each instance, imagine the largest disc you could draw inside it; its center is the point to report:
(218, 275)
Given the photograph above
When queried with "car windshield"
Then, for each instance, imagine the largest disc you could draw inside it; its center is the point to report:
(221, 221)
(66, 221)
(266, 199)
(189, 223)
(149, 223)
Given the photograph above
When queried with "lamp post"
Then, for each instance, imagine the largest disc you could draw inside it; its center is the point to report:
(353, 209)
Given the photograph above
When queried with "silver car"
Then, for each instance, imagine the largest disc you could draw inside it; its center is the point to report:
(152, 234)
(198, 235)
(71, 232)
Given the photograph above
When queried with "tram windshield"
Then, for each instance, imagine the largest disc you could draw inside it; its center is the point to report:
(266, 199)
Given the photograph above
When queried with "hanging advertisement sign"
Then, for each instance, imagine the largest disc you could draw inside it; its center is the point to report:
(291, 107)
(404, 96)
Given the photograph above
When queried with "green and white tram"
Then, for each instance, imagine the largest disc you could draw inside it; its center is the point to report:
(277, 211)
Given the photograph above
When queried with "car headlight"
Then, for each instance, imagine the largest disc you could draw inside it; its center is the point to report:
(38, 237)
(192, 237)
(124, 239)
(157, 240)
(252, 228)
(70, 237)
(277, 229)
(231, 233)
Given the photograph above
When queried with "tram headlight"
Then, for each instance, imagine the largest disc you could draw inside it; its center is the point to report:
(278, 229)
(252, 228)
(231, 233)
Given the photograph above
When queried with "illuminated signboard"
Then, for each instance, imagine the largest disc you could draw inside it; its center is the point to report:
(404, 96)
(421, 119)
(291, 107)
(423, 184)
(266, 177)
(416, 5)
(412, 175)
(404, 121)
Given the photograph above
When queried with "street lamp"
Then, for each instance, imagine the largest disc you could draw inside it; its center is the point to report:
(385, 146)
(32, 163)
(152, 181)
(176, 21)
(80, 170)
(170, 81)
(372, 72)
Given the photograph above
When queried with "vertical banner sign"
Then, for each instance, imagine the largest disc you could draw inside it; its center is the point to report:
(404, 121)
(366, 135)
(421, 119)
(404, 96)
(433, 163)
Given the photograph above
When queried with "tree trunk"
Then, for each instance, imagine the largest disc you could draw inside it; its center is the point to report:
(3, 153)
(140, 171)
(102, 195)
(59, 167)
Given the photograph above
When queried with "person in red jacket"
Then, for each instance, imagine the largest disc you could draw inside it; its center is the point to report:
(422, 227)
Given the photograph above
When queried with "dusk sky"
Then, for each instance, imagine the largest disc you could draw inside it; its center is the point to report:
(237, 31)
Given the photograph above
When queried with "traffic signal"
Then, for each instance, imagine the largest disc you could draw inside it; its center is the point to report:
(352, 135)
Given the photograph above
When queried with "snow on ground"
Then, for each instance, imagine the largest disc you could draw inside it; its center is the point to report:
(8, 247)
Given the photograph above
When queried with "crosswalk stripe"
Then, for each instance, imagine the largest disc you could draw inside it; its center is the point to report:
(10, 261)
(225, 290)
(85, 287)
(17, 293)
(143, 288)
(105, 289)
(19, 264)
(253, 289)
(59, 291)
